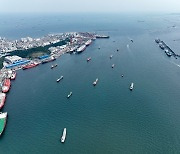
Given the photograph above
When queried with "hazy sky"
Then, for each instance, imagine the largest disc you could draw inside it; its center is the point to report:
(89, 5)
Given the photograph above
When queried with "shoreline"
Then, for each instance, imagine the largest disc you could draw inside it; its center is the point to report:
(78, 43)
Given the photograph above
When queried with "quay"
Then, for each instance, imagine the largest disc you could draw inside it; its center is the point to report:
(169, 52)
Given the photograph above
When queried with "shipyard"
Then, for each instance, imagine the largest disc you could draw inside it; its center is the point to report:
(75, 43)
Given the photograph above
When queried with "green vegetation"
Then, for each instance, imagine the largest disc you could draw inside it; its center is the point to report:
(34, 52)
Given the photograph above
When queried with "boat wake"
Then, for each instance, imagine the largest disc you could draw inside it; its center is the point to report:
(175, 64)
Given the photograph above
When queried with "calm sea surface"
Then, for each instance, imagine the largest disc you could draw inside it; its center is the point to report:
(108, 118)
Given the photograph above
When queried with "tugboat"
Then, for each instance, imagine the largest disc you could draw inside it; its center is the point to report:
(59, 79)
(13, 76)
(53, 66)
(63, 136)
(113, 65)
(95, 82)
(111, 56)
(131, 86)
(88, 59)
(69, 95)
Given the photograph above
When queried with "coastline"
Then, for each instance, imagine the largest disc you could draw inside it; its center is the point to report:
(70, 45)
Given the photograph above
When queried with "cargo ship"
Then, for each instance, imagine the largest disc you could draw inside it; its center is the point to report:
(2, 99)
(48, 60)
(88, 42)
(6, 85)
(69, 95)
(59, 79)
(95, 82)
(88, 59)
(30, 66)
(102, 36)
(131, 86)
(13, 75)
(53, 66)
(3, 119)
(81, 48)
(63, 136)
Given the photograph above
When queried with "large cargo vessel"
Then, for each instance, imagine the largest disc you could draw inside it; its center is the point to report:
(81, 48)
(48, 60)
(2, 99)
(88, 42)
(63, 136)
(30, 66)
(6, 85)
(3, 119)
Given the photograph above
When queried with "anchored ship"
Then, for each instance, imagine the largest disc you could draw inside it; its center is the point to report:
(69, 95)
(2, 99)
(88, 59)
(131, 86)
(59, 79)
(81, 48)
(53, 66)
(63, 136)
(6, 85)
(95, 82)
(30, 66)
(3, 119)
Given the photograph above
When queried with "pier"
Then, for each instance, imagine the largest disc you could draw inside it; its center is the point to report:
(169, 52)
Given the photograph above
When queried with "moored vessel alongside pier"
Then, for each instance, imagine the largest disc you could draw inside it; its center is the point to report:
(2, 99)
(30, 66)
(3, 119)
(6, 85)
(81, 48)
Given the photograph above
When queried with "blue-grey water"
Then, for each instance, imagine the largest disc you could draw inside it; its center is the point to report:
(108, 118)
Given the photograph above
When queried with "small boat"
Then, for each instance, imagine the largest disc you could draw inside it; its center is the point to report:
(13, 76)
(69, 95)
(53, 66)
(117, 49)
(131, 86)
(99, 47)
(113, 65)
(111, 56)
(95, 82)
(132, 40)
(88, 59)
(59, 79)
(122, 75)
(63, 136)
